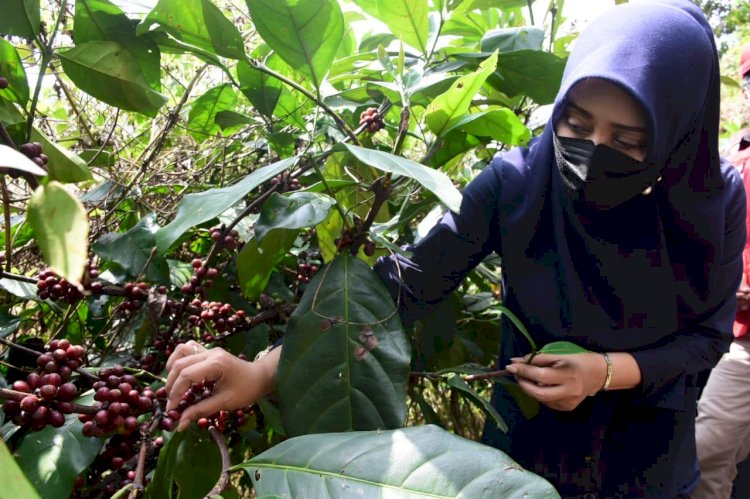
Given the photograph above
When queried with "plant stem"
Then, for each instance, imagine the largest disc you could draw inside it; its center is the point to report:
(502, 373)
(5, 342)
(47, 54)
(6, 219)
(226, 462)
(16, 277)
(7, 394)
(318, 102)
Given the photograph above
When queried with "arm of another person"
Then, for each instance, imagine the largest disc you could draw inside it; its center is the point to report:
(438, 264)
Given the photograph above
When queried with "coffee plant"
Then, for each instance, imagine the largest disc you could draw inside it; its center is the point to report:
(228, 173)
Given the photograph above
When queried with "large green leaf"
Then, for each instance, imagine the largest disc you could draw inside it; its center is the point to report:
(434, 181)
(305, 33)
(11, 68)
(512, 39)
(110, 73)
(294, 211)
(64, 165)
(54, 457)
(258, 259)
(422, 461)
(499, 124)
(198, 23)
(177, 464)
(11, 158)
(259, 88)
(61, 229)
(345, 340)
(202, 118)
(132, 249)
(455, 102)
(194, 209)
(20, 18)
(15, 483)
(529, 72)
(407, 19)
(101, 20)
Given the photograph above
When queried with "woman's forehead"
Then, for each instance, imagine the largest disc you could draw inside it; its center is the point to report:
(606, 100)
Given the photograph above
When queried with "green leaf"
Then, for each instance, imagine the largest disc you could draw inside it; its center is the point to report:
(422, 461)
(20, 18)
(346, 341)
(529, 72)
(454, 143)
(8, 325)
(499, 124)
(512, 39)
(257, 260)
(562, 348)
(434, 181)
(101, 20)
(61, 228)
(54, 457)
(11, 158)
(9, 114)
(456, 382)
(195, 209)
(408, 20)
(294, 211)
(15, 483)
(64, 165)
(198, 23)
(232, 119)
(305, 33)
(455, 102)
(110, 73)
(260, 89)
(20, 289)
(11, 68)
(132, 249)
(202, 118)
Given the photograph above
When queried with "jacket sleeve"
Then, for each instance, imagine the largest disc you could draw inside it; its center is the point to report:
(440, 261)
(699, 346)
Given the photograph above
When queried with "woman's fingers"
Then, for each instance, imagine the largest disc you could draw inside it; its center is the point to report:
(180, 364)
(203, 368)
(545, 375)
(184, 350)
(203, 409)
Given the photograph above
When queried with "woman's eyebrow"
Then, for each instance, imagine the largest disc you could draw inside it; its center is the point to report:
(620, 126)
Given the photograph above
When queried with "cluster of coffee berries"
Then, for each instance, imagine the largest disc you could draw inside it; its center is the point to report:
(285, 182)
(226, 420)
(135, 295)
(306, 271)
(56, 288)
(196, 393)
(3, 83)
(47, 402)
(34, 151)
(221, 317)
(203, 276)
(120, 402)
(61, 358)
(230, 241)
(371, 119)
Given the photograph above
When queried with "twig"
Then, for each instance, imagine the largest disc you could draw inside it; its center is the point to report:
(5, 342)
(6, 218)
(140, 469)
(319, 102)
(226, 462)
(7, 394)
(16, 277)
(502, 373)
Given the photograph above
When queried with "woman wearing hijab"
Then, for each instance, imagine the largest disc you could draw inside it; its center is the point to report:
(619, 229)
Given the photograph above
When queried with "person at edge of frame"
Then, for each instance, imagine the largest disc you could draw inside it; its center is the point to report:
(722, 429)
(620, 229)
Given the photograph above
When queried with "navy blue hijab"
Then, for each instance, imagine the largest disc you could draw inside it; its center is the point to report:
(632, 275)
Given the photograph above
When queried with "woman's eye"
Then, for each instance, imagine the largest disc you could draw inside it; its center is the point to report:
(628, 146)
(576, 127)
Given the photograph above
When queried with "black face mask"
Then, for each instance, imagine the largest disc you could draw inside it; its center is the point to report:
(603, 177)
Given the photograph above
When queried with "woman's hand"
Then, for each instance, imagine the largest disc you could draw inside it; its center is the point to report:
(238, 382)
(560, 382)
